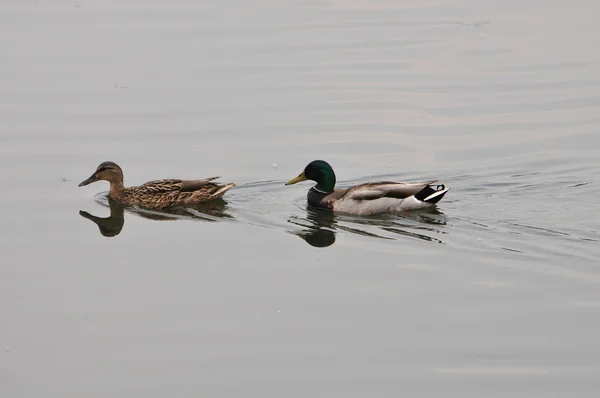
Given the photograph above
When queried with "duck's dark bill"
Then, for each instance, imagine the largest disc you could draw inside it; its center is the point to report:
(88, 181)
(301, 177)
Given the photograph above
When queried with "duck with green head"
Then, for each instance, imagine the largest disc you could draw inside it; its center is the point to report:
(157, 194)
(368, 198)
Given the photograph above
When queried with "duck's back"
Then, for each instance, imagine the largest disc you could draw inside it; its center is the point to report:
(173, 192)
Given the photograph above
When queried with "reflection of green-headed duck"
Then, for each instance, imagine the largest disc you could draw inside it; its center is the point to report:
(368, 198)
(320, 232)
(158, 194)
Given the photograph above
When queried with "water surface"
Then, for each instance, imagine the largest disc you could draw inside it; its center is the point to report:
(493, 294)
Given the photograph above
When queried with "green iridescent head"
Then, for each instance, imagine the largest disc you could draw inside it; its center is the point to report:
(318, 171)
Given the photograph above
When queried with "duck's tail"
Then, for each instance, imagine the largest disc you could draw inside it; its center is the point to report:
(221, 191)
(431, 194)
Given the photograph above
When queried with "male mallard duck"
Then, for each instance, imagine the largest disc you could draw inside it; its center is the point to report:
(368, 198)
(158, 194)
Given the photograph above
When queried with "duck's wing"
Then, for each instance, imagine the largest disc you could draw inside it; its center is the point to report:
(194, 185)
(385, 189)
(171, 185)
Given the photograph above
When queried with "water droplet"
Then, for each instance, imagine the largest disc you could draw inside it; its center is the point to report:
(274, 165)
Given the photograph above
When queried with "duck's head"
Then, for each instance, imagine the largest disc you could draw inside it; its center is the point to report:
(108, 171)
(318, 171)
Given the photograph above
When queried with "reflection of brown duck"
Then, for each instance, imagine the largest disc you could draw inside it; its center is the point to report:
(109, 226)
(320, 233)
(158, 194)
(112, 225)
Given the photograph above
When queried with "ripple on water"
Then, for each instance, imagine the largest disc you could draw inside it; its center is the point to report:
(488, 210)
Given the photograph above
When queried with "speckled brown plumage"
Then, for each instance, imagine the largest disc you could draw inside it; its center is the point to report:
(157, 194)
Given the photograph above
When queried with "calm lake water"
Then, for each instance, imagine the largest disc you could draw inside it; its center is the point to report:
(495, 294)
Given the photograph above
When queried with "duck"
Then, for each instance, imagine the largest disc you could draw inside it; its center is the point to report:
(157, 194)
(369, 198)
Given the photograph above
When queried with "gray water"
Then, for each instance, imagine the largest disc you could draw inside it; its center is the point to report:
(495, 294)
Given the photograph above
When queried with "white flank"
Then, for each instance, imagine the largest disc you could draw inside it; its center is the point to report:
(382, 205)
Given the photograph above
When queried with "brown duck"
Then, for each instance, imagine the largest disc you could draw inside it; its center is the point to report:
(158, 194)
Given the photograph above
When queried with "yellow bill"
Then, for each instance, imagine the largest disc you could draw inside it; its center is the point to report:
(300, 178)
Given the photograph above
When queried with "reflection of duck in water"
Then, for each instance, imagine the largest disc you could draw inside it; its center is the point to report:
(368, 198)
(112, 225)
(320, 232)
(320, 226)
(158, 194)
(109, 226)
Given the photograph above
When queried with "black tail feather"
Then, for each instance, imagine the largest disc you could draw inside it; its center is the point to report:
(425, 194)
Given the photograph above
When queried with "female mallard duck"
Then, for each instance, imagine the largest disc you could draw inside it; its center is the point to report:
(368, 198)
(158, 194)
